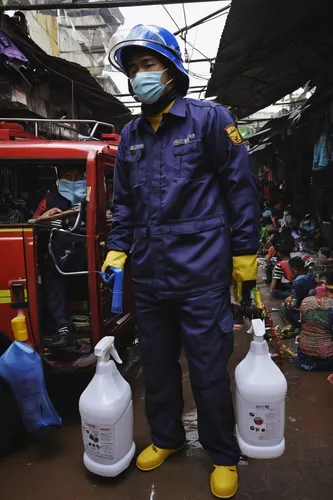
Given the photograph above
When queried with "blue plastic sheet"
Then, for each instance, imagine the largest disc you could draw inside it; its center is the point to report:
(322, 158)
(21, 366)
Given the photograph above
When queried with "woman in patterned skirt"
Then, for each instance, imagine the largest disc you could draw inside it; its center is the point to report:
(316, 339)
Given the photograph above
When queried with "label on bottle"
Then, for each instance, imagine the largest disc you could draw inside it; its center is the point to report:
(264, 421)
(99, 440)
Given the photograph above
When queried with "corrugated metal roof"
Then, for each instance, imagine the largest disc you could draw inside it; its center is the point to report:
(269, 49)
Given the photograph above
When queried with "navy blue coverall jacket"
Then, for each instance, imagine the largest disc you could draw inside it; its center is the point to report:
(186, 197)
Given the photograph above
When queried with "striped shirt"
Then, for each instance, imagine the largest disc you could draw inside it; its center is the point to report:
(279, 274)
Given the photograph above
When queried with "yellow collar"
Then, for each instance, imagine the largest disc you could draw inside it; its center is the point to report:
(155, 120)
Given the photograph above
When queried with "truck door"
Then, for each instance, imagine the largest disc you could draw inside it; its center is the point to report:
(100, 169)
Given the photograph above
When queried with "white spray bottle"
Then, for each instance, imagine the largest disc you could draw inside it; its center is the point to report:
(260, 400)
(107, 416)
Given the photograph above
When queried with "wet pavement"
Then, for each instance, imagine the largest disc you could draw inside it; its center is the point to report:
(52, 468)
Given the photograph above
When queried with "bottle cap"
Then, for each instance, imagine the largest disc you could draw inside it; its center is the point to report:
(258, 329)
(105, 348)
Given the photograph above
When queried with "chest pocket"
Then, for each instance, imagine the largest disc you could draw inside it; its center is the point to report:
(137, 167)
(189, 160)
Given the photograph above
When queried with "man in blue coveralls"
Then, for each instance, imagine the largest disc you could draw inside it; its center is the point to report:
(185, 198)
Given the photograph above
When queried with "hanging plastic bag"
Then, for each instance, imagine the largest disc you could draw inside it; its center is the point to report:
(21, 366)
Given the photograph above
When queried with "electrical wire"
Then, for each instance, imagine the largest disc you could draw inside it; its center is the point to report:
(203, 89)
(186, 56)
(195, 41)
(183, 35)
(199, 75)
(186, 42)
(215, 17)
(185, 21)
(172, 19)
(197, 50)
(196, 75)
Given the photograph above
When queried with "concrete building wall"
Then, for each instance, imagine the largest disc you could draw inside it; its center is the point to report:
(84, 38)
(44, 31)
(79, 36)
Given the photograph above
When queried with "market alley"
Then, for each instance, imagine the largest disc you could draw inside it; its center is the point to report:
(53, 468)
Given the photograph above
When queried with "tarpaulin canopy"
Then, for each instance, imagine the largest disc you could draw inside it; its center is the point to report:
(269, 49)
(273, 127)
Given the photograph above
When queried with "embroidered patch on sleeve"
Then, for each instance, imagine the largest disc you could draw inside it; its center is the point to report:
(234, 135)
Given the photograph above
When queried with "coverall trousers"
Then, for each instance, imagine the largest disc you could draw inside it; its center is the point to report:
(203, 324)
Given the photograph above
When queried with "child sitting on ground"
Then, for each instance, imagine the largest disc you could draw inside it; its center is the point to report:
(281, 279)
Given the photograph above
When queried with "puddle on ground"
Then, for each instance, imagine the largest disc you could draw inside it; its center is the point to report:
(192, 437)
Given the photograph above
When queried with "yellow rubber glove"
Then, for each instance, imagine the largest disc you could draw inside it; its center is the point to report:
(245, 268)
(114, 259)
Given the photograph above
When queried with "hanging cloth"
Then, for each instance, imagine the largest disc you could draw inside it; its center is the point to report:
(322, 157)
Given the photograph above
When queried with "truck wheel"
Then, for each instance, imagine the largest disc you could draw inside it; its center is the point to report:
(10, 419)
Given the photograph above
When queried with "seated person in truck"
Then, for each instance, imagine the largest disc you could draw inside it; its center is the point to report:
(69, 191)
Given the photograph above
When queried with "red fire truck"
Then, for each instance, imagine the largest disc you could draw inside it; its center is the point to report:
(28, 169)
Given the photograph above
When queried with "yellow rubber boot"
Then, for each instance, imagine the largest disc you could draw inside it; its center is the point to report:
(152, 457)
(224, 481)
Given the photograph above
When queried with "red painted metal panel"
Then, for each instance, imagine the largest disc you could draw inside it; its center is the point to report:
(30, 254)
(12, 268)
(41, 149)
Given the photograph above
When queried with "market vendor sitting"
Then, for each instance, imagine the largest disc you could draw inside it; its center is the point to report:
(281, 279)
(69, 192)
(308, 225)
(303, 282)
(325, 253)
(315, 350)
(311, 232)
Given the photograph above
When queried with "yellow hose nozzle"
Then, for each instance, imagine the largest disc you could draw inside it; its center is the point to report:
(19, 328)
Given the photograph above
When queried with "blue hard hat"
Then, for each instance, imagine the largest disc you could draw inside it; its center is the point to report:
(156, 39)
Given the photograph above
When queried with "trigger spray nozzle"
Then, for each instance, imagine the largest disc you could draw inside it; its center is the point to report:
(105, 349)
(257, 328)
(115, 281)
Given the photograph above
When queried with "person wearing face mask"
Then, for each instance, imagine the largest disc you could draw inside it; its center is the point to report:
(184, 193)
(69, 191)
